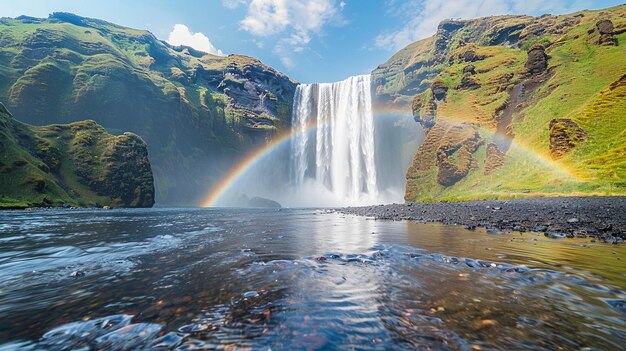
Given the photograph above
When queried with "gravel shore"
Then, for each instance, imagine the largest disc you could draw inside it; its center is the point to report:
(600, 217)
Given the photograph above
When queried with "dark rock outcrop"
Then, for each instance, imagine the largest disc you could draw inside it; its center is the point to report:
(439, 89)
(127, 176)
(537, 62)
(450, 149)
(455, 158)
(621, 82)
(77, 164)
(471, 56)
(444, 33)
(468, 82)
(261, 202)
(607, 36)
(507, 35)
(424, 112)
(565, 134)
(470, 69)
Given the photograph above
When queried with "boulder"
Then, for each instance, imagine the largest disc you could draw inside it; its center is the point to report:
(262, 202)
(537, 61)
(605, 26)
(607, 36)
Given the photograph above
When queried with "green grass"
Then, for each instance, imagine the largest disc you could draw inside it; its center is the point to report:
(578, 89)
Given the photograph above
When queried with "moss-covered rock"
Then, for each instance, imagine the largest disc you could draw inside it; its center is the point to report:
(455, 156)
(565, 134)
(469, 82)
(605, 28)
(494, 158)
(78, 164)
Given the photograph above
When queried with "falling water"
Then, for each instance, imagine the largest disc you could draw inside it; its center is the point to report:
(303, 108)
(340, 155)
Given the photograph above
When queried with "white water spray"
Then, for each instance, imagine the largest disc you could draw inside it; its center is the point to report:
(341, 156)
(338, 153)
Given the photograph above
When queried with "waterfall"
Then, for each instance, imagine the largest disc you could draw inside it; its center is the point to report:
(302, 111)
(340, 153)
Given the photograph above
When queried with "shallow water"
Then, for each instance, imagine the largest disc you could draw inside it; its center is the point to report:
(193, 279)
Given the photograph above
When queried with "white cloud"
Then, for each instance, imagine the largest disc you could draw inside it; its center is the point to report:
(181, 35)
(425, 15)
(233, 4)
(293, 22)
(287, 61)
(269, 17)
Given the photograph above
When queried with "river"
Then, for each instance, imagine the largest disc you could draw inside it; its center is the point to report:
(195, 279)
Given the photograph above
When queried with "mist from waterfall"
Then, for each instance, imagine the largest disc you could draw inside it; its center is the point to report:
(340, 154)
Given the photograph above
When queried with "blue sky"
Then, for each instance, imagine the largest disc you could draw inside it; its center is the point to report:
(309, 40)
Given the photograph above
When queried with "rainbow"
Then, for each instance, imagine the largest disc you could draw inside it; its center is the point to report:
(211, 199)
(228, 181)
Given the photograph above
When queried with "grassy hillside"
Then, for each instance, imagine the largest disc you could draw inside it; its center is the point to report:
(515, 106)
(197, 112)
(77, 164)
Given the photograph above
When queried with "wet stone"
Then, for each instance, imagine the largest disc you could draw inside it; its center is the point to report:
(554, 235)
(195, 328)
(250, 294)
(485, 323)
(128, 337)
(77, 274)
(79, 333)
(166, 342)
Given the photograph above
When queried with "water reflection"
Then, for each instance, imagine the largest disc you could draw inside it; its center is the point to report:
(347, 234)
(207, 279)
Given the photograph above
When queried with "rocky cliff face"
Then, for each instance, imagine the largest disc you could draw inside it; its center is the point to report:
(514, 106)
(197, 112)
(74, 164)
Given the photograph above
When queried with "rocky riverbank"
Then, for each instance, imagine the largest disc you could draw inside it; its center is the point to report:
(599, 217)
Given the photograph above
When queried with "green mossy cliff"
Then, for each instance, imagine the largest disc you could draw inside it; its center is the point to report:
(197, 112)
(515, 106)
(77, 164)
